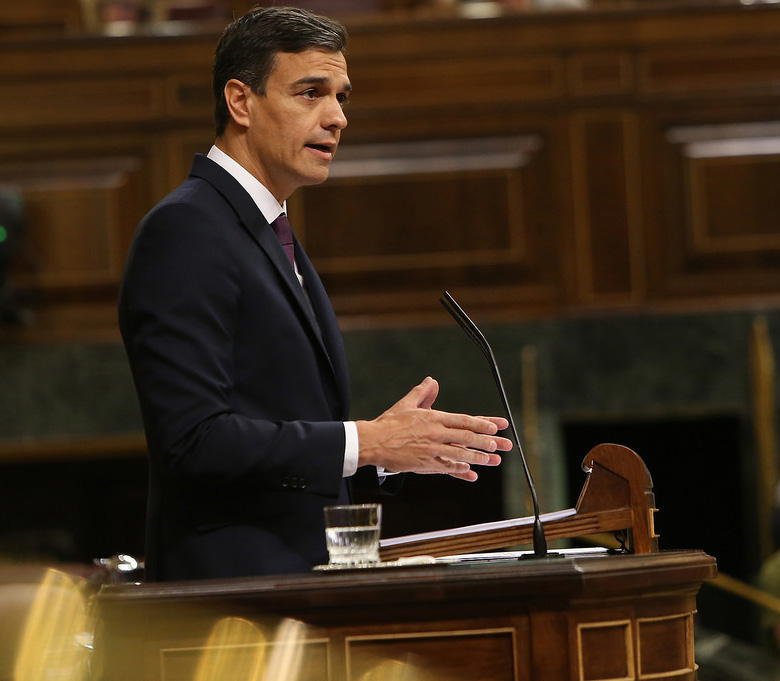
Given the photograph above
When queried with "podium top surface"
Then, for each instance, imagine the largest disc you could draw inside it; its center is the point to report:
(561, 578)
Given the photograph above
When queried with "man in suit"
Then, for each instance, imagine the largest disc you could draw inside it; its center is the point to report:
(234, 348)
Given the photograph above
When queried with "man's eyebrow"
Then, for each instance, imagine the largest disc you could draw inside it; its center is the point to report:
(319, 80)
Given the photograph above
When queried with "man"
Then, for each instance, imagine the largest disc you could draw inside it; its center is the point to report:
(235, 351)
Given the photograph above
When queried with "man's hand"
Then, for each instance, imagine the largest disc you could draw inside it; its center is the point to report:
(412, 437)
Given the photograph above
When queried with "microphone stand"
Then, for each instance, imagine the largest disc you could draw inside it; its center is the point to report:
(473, 332)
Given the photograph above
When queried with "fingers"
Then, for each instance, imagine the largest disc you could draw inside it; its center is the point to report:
(455, 469)
(468, 456)
(499, 421)
(443, 466)
(430, 391)
(476, 424)
(457, 462)
(468, 476)
(470, 431)
(422, 396)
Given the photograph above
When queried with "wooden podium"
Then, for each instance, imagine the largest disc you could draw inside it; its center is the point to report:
(589, 616)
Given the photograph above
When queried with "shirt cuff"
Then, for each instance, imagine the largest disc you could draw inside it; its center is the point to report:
(351, 448)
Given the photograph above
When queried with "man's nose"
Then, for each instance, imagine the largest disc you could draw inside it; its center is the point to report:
(335, 117)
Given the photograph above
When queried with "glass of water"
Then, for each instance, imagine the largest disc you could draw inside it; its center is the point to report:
(352, 534)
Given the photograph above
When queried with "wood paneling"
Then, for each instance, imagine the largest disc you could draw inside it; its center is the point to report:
(722, 68)
(471, 80)
(463, 211)
(533, 163)
(254, 657)
(607, 223)
(717, 210)
(489, 653)
(80, 216)
(605, 650)
(42, 17)
(79, 220)
(600, 73)
(587, 618)
(104, 101)
(654, 658)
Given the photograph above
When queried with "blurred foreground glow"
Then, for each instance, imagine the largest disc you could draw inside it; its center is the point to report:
(391, 670)
(56, 642)
(235, 650)
(284, 662)
(57, 625)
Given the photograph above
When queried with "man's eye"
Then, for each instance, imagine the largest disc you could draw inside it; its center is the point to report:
(342, 98)
(309, 94)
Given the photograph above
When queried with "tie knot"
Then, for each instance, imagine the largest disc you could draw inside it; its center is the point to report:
(283, 231)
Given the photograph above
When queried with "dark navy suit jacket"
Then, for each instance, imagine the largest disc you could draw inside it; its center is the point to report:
(242, 382)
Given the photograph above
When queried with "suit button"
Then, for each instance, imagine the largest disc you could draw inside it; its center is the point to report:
(285, 482)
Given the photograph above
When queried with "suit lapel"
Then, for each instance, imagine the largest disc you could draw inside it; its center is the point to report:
(325, 333)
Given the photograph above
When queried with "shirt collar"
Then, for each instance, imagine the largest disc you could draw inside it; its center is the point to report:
(265, 201)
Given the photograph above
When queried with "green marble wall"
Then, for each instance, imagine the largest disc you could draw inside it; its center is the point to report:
(652, 366)
(65, 391)
(640, 367)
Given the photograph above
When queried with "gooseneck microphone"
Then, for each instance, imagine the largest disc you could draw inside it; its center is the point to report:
(473, 332)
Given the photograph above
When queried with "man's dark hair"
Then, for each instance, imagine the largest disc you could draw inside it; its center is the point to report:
(249, 45)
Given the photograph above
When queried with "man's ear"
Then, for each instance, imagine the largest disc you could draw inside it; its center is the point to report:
(237, 99)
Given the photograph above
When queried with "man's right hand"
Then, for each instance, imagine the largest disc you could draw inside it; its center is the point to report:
(413, 437)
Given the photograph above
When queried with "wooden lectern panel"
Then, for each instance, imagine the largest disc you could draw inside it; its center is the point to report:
(595, 617)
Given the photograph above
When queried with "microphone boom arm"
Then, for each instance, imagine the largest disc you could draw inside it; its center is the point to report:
(473, 332)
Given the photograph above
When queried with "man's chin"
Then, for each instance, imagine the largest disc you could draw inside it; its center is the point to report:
(316, 178)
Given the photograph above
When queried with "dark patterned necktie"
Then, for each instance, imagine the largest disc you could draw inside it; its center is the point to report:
(281, 227)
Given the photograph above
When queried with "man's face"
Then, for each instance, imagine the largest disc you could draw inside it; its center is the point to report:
(296, 125)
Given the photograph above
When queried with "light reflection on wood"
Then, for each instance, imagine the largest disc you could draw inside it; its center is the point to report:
(56, 642)
(235, 650)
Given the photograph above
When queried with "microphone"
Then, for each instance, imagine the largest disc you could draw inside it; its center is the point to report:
(473, 332)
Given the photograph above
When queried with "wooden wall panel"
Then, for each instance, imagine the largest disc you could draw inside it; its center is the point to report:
(600, 73)
(720, 67)
(99, 101)
(626, 190)
(734, 202)
(721, 236)
(454, 213)
(607, 222)
(385, 85)
(40, 17)
(190, 95)
(79, 221)
(181, 148)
